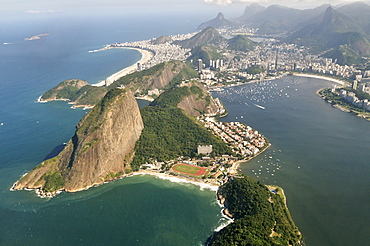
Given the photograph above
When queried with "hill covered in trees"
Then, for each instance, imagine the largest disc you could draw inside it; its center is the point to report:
(162, 76)
(260, 216)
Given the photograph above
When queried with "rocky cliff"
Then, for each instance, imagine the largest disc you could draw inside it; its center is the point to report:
(77, 91)
(217, 22)
(191, 97)
(63, 90)
(161, 76)
(101, 149)
(208, 36)
(201, 102)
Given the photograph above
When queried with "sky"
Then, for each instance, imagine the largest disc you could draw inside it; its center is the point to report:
(233, 7)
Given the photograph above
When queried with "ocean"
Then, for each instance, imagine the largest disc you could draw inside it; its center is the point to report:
(321, 153)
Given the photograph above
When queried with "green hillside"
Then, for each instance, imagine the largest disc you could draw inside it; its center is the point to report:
(170, 133)
(206, 53)
(359, 12)
(208, 36)
(260, 216)
(241, 43)
(337, 35)
(161, 76)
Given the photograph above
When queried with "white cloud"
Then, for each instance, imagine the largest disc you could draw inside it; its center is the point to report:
(43, 11)
(219, 2)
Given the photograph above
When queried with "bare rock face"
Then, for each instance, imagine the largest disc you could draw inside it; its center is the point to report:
(164, 76)
(100, 150)
(198, 104)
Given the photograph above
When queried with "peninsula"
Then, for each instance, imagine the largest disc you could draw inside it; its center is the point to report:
(101, 149)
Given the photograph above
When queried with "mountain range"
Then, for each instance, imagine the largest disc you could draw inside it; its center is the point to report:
(336, 36)
(217, 22)
(341, 33)
(211, 37)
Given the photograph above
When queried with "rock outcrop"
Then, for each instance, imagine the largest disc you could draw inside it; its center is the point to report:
(63, 90)
(208, 36)
(77, 91)
(198, 103)
(158, 77)
(217, 22)
(101, 149)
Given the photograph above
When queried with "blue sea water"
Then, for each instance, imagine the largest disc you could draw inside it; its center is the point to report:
(140, 210)
(319, 155)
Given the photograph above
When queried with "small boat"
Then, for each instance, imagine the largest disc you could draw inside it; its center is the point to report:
(259, 106)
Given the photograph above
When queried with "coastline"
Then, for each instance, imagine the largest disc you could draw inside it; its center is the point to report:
(344, 108)
(146, 56)
(177, 179)
(338, 81)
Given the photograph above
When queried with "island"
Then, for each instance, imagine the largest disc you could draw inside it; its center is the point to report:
(36, 37)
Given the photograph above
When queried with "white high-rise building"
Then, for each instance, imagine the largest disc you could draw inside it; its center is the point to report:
(200, 65)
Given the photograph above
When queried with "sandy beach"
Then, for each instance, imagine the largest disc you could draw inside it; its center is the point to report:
(177, 179)
(145, 57)
(320, 77)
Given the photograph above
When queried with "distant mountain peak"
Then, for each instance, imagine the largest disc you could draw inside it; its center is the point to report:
(251, 10)
(220, 16)
(217, 22)
(329, 14)
(208, 36)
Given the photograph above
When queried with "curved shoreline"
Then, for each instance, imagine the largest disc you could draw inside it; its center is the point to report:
(146, 56)
(338, 81)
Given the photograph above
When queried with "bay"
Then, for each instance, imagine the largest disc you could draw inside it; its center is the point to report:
(319, 155)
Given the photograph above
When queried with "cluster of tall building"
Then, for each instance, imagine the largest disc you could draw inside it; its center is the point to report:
(353, 99)
(244, 140)
(162, 52)
(288, 57)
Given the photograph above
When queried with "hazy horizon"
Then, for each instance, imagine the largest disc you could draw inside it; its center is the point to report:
(231, 8)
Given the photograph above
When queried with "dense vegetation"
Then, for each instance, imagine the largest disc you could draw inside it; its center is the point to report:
(186, 73)
(53, 181)
(170, 133)
(261, 217)
(335, 99)
(93, 120)
(360, 94)
(137, 79)
(70, 88)
(241, 43)
(82, 93)
(206, 53)
(254, 70)
(208, 36)
(337, 36)
(142, 81)
(88, 95)
(73, 91)
(175, 95)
